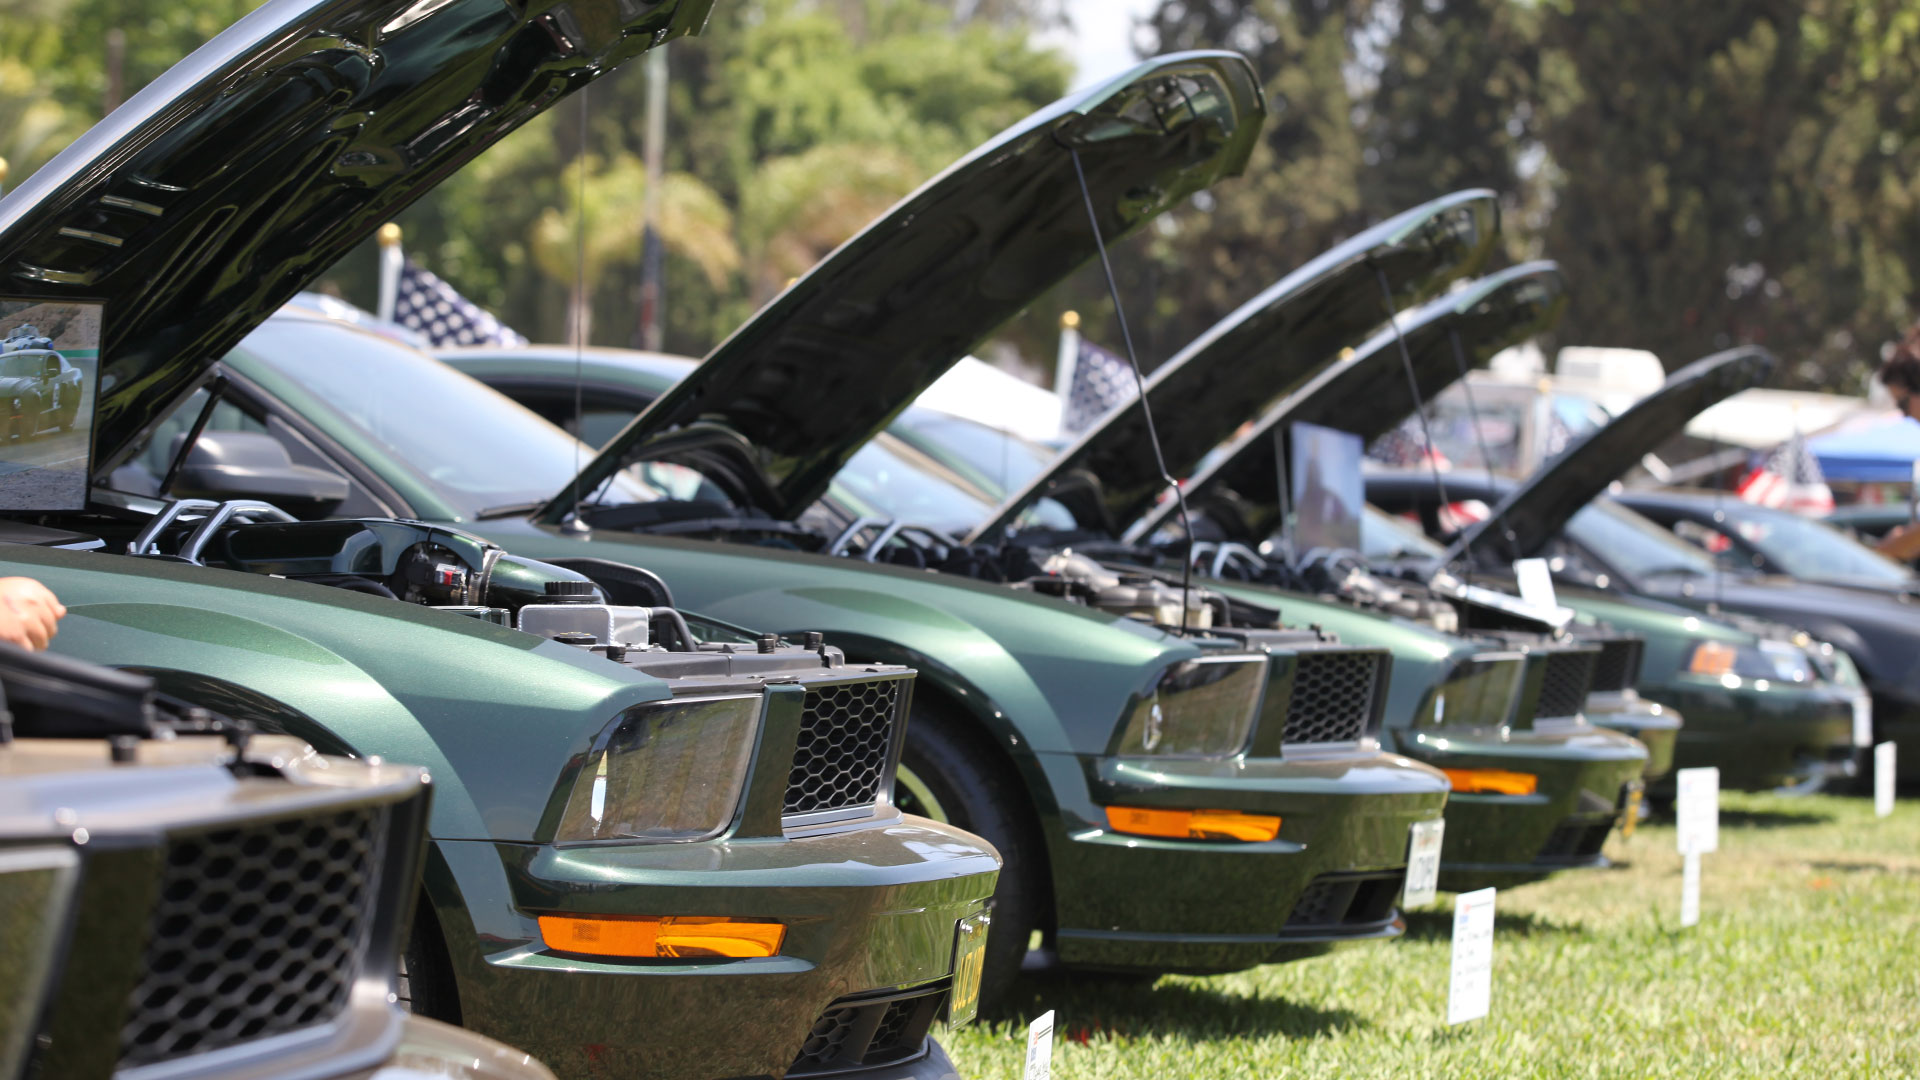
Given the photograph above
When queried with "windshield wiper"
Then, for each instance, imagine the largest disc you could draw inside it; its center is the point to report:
(519, 509)
(1683, 571)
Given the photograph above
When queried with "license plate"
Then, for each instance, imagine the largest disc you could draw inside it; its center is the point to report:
(1863, 719)
(1423, 862)
(1630, 813)
(969, 958)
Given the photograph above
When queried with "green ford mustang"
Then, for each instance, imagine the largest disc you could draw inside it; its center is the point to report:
(640, 814)
(1139, 780)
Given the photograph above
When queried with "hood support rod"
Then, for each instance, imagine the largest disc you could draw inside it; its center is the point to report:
(1140, 389)
(216, 387)
(1479, 435)
(1413, 387)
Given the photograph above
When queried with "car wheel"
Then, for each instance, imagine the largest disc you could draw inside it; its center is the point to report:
(949, 772)
(425, 986)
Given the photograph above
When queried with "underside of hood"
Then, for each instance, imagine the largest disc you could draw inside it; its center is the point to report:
(776, 409)
(1536, 510)
(1244, 363)
(1367, 393)
(216, 193)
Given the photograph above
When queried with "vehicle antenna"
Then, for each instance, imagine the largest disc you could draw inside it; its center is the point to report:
(1140, 388)
(1280, 470)
(1480, 433)
(1413, 387)
(579, 319)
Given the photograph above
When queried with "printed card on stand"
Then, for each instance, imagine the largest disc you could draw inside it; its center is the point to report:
(1040, 1047)
(1697, 810)
(1883, 778)
(1470, 994)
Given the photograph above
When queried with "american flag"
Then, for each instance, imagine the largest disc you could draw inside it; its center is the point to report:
(431, 306)
(1101, 381)
(1790, 479)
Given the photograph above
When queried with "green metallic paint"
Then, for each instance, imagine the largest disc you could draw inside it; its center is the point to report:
(500, 718)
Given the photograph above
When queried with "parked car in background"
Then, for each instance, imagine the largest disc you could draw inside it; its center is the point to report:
(183, 893)
(1785, 709)
(640, 813)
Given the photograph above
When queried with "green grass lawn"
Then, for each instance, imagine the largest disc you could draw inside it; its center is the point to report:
(1806, 962)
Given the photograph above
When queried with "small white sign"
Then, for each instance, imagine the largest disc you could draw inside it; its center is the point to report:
(1536, 583)
(1863, 720)
(1470, 995)
(1697, 813)
(1423, 862)
(1883, 776)
(1690, 890)
(1040, 1047)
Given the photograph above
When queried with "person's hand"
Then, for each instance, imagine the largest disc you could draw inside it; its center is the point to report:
(1902, 544)
(28, 613)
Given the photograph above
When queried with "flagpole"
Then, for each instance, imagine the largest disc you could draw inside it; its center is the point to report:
(1064, 362)
(391, 260)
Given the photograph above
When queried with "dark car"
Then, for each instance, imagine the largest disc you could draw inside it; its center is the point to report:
(186, 896)
(1738, 717)
(660, 847)
(39, 388)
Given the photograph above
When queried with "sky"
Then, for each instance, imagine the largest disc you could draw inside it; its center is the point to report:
(1099, 41)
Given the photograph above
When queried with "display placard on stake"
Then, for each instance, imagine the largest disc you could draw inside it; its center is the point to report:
(1535, 579)
(1863, 719)
(1470, 993)
(1697, 810)
(1883, 777)
(1690, 889)
(1040, 1047)
(1423, 862)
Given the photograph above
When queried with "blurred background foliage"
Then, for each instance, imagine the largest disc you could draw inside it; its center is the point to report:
(1709, 173)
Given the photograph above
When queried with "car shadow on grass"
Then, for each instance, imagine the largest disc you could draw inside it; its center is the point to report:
(1771, 819)
(1438, 925)
(1089, 1005)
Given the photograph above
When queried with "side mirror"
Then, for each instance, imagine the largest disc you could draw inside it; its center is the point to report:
(254, 465)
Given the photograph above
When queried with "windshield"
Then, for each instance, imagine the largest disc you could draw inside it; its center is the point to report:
(995, 461)
(888, 479)
(473, 446)
(1635, 546)
(1384, 537)
(1812, 549)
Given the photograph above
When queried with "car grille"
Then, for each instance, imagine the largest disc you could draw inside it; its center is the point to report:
(846, 740)
(1332, 699)
(1576, 840)
(1618, 666)
(1566, 683)
(258, 931)
(869, 1030)
(1334, 902)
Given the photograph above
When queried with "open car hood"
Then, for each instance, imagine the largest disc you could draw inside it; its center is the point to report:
(777, 408)
(1248, 360)
(214, 194)
(1536, 510)
(1367, 393)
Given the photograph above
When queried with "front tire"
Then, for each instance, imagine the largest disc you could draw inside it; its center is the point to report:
(950, 772)
(425, 987)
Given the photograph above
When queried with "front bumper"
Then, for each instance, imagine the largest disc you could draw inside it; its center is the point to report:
(1584, 778)
(1655, 725)
(869, 911)
(1759, 736)
(1333, 875)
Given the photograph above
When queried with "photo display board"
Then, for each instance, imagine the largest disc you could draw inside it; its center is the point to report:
(1328, 491)
(49, 386)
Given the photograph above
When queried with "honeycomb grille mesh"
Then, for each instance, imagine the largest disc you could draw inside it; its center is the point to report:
(1332, 697)
(846, 736)
(853, 1033)
(1564, 687)
(258, 931)
(1618, 667)
(1355, 901)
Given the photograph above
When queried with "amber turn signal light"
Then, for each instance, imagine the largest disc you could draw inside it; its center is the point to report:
(671, 937)
(1492, 781)
(1713, 658)
(1193, 824)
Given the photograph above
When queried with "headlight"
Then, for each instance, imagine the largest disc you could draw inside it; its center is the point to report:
(1778, 660)
(666, 771)
(1200, 708)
